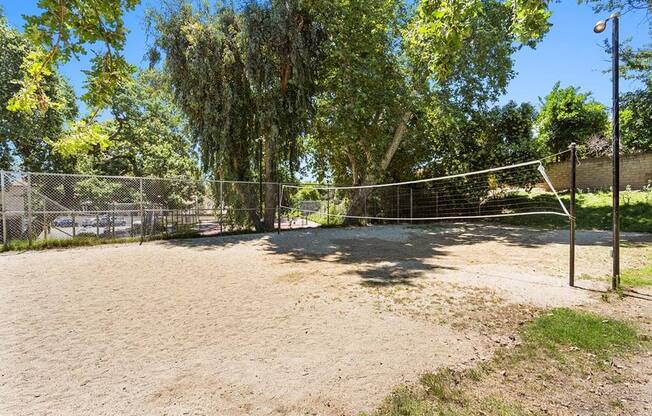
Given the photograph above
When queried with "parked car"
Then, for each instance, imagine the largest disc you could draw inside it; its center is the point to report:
(88, 222)
(104, 221)
(63, 222)
(120, 222)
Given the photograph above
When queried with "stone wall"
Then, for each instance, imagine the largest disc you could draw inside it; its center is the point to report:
(635, 170)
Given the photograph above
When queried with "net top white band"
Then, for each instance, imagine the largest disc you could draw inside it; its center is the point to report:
(440, 178)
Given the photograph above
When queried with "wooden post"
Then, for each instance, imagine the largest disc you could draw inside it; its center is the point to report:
(572, 219)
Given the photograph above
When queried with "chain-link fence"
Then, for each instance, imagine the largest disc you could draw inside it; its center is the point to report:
(47, 206)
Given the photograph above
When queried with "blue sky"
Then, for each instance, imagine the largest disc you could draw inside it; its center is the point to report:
(570, 53)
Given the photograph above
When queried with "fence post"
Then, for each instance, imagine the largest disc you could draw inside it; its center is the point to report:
(572, 219)
(97, 225)
(29, 209)
(279, 207)
(328, 207)
(221, 206)
(4, 209)
(74, 224)
(398, 202)
(142, 212)
(411, 205)
(113, 221)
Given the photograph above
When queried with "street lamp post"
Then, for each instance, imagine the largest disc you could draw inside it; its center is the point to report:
(615, 134)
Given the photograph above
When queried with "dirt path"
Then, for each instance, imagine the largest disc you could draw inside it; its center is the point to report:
(322, 321)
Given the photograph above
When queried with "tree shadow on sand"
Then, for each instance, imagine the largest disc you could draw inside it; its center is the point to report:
(397, 255)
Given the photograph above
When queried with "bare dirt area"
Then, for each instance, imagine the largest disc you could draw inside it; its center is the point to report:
(319, 321)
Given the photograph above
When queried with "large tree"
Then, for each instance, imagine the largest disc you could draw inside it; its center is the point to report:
(636, 120)
(148, 134)
(391, 70)
(26, 137)
(244, 79)
(569, 115)
(636, 64)
(63, 30)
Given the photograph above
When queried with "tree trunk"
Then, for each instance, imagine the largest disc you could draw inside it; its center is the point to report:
(359, 197)
(271, 190)
(250, 200)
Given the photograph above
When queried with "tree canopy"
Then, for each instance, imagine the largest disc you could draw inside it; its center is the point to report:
(26, 137)
(569, 115)
(388, 77)
(636, 120)
(245, 80)
(148, 135)
(354, 91)
(67, 29)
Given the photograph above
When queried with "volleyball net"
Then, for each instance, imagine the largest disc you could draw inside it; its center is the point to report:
(515, 190)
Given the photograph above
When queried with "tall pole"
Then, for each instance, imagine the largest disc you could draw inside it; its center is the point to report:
(615, 136)
(572, 219)
(615, 123)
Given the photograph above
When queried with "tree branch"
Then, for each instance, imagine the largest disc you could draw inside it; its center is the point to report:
(399, 133)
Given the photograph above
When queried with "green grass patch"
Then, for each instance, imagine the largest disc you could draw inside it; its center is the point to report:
(640, 277)
(442, 393)
(405, 401)
(415, 401)
(553, 344)
(443, 386)
(84, 241)
(593, 212)
(585, 331)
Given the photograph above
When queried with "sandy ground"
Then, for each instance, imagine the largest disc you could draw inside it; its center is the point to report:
(321, 321)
